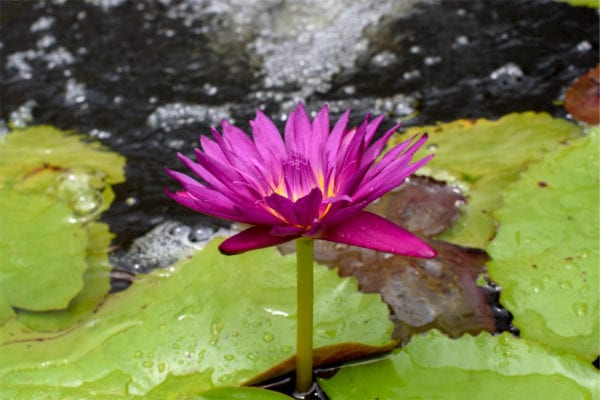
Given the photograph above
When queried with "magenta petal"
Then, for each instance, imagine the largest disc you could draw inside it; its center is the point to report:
(256, 237)
(371, 231)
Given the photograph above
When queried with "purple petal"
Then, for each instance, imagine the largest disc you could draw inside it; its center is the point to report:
(307, 207)
(266, 136)
(335, 139)
(372, 128)
(371, 231)
(375, 149)
(283, 206)
(256, 237)
(298, 131)
(204, 206)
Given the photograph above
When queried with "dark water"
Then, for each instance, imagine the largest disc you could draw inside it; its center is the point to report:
(147, 77)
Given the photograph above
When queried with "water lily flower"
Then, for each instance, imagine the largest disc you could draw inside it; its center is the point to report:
(314, 182)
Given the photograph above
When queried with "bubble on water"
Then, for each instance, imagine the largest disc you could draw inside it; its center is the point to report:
(384, 59)
(23, 115)
(461, 40)
(41, 24)
(432, 60)
(412, 74)
(100, 134)
(584, 46)
(164, 245)
(74, 92)
(107, 4)
(509, 69)
(45, 41)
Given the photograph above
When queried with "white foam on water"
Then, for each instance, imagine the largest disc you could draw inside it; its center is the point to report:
(175, 115)
(164, 245)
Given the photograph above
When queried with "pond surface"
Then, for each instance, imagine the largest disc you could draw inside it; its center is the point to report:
(146, 78)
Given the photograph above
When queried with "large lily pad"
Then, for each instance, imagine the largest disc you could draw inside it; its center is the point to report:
(547, 249)
(482, 157)
(481, 367)
(221, 320)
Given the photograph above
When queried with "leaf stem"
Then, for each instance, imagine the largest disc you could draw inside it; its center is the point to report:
(304, 339)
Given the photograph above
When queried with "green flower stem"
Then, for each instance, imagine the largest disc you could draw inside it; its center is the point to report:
(304, 345)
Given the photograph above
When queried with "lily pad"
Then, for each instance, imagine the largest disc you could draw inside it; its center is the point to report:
(25, 150)
(482, 367)
(503, 149)
(53, 184)
(96, 284)
(41, 251)
(222, 321)
(547, 249)
(582, 99)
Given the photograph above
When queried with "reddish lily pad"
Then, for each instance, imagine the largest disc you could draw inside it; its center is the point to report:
(421, 205)
(583, 97)
(547, 250)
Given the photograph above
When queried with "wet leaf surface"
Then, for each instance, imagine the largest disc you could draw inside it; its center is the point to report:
(583, 97)
(421, 205)
(217, 320)
(504, 148)
(546, 253)
(480, 367)
(423, 294)
(31, 279)
(53, 185)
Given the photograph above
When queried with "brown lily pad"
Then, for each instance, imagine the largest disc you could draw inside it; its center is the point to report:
(582, 100)
(422, 205)
(422, 294)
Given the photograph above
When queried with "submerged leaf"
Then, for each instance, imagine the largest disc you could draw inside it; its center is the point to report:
(546, 253)
(221, 321)
(482, 367)
(504, 148)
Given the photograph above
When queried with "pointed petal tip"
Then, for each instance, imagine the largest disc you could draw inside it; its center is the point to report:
(371, 231)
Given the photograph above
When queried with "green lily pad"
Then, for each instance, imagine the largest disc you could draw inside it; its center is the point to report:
(96, 284)
(53, 184)
(546, 253)
(587, 3)
(41, 252)
(482, 157)
(221, 321)
(482, 367)
(225, 393)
